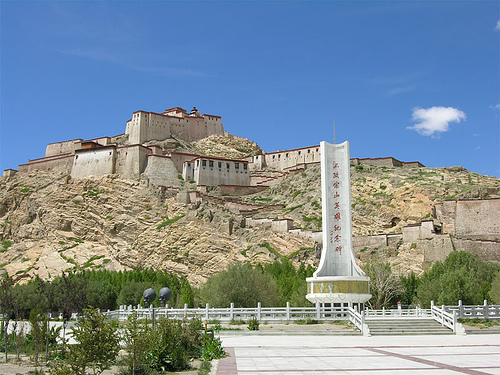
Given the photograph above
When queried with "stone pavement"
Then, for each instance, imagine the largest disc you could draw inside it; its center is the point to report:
(379, 355)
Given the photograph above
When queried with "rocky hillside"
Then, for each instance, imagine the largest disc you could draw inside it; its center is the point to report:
(50, 223)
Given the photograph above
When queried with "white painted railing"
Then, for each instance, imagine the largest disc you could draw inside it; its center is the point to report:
(416, 312)
(484, 311)
(447, 319)
(262, 314)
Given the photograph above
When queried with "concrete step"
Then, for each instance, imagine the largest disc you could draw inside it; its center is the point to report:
(406, 326)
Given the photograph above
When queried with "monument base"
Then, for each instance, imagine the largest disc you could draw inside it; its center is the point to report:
(344, 290)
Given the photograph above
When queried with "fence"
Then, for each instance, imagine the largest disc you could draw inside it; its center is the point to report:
(446, 315)
(264, 314)
(484, 311)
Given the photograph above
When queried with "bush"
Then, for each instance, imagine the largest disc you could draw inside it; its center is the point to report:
(242, 285)
(253, 325)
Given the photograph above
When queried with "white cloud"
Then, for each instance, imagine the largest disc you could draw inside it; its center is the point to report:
(498, 26)
(435, 119)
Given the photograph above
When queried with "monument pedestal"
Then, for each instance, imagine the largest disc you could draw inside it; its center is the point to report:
(339, 291)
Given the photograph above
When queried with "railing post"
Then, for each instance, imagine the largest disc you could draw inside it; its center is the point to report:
(383, 311)
(460, 309)
(207, 309)
(486, 312)
(185, 310)
(442, 315)
(318, 310)
(454, 321)
(259, 312)
(288, 311)
(231, 311)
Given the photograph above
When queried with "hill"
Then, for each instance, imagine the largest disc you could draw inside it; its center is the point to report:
(50, 222)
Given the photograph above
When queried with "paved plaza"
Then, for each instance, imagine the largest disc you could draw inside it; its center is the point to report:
(387, 355)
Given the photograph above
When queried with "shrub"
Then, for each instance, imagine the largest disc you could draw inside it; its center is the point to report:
(253, 324)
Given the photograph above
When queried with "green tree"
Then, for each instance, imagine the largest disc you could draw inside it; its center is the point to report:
(495, 289)
(96, 348)
(385, 286)
(137, 339)
(242, 285)
(38, 322)
(131, 293)
(410, 284)
(101, 294)
(462, 276)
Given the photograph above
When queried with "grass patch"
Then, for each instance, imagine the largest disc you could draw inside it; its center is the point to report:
(288, 210)
(5, 246)
(169, 222)
(271, 249)
(93, 192)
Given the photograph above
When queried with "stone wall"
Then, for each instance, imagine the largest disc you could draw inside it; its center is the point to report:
(62, 163)
(131, 161)
(61, 148)
(161, 171)
(475, 218)
(478, 219)
(94, 162)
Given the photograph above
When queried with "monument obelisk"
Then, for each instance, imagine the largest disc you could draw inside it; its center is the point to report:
(338, 281)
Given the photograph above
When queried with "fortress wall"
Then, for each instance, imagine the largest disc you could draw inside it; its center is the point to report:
(282, 225)
(131, 161)
(9, 172)
(213, 125)
(103, 141)
(485, 250)
(478, 218)
(66, 147)
(161, 171)
(239, 190)
(180, 158)
(221, 172)
(61, 163)
(411, 233)
(158, 126)
(437, 248)
(145, 126)
(368, 241)
(445, 212)
(94, 162)
(381, 162)
(287, 159)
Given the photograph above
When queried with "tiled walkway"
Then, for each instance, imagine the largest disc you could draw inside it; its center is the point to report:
(387, 355)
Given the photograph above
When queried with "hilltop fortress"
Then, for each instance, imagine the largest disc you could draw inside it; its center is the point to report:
(143, 152)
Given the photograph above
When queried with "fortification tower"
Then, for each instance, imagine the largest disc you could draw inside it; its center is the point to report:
(338, 281)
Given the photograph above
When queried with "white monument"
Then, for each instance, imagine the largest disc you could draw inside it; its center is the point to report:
(338, 281)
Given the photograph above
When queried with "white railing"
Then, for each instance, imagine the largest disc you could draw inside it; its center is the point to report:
(484, 311)
(262, 314)
(447, 319)
(416, 312)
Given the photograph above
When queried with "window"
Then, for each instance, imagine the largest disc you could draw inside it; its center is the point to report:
(308, 151)
(237, 165)
(211, 164)
(299, 152)
(197, 163)
(245, 166)
(203, 163)
(220, 165)
(227, 165)
(287, 154)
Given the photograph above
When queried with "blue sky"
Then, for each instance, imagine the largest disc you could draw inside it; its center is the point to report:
(418, 81)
